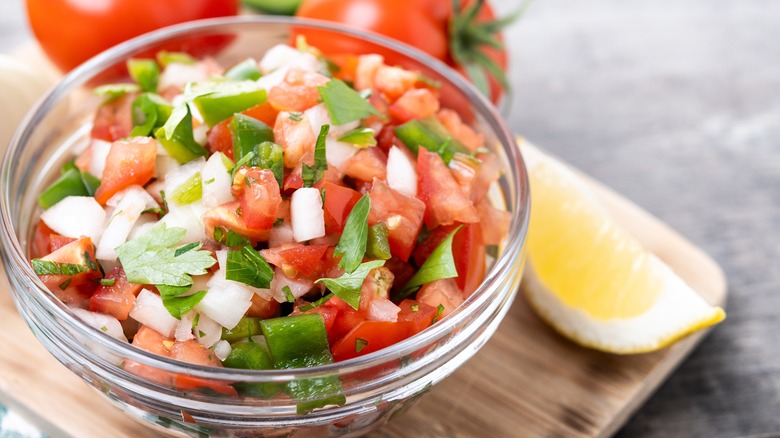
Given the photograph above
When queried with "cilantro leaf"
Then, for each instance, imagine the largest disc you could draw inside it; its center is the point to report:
(347, 287)
(176, 302)
(352, 244)
(312, 174)
(150, 258)
(439, 265)
(345, 104)
(247, 266)
(317, 303)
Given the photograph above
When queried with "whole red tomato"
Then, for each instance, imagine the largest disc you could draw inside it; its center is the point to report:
(72, 31)
(464, 35)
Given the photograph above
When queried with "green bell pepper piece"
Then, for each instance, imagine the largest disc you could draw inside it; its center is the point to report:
(300, 341)
(378, 247)
(249, 355)
(149, 111)
(430, 134)
(73, 182)
(244, 70)
(145, 72)
(223, 99)
(248, 133)
(181, 145)
(246, 328)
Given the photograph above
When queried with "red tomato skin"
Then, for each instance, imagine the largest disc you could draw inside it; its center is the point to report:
(426, 27)
(70, 32)
(445, 202)
(57, 241)
(421, 319)
(468, 250)
(402, 215)
(41, 241)
(128, 163)
(258, 193)
(116, 300)
(377, 334)
(366, 165)
(150, 340)
(79, 287)
(262, 308)
(416, 103)
(225, 216)
(220, 139)
(114, 120)
(339, 201)
(303, 260)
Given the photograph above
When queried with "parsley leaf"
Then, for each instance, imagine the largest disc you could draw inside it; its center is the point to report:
(311, 175)
(352, 244)
(176, 302)
(317, 303)
(46, 267)
(347, 287)
(345, 104)
(439, 265)
(247, 266)
(150, 258)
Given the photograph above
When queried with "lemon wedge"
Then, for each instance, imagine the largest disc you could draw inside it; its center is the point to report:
(593, 281)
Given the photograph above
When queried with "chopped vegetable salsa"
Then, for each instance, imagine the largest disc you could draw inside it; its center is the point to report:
(285, 213)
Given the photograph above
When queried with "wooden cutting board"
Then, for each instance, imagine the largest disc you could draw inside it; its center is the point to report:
(526, 381)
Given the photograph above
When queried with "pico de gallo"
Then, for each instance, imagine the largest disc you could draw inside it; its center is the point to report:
(280, 213)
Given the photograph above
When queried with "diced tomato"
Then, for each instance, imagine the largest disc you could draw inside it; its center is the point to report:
(74, 288)
(114, 119)
(294, 179)
(263, 112)
(129, 162)
(403, 217)
(295, 136)
(83, 161)
(441, 292)
(468, 250)
(258, 193)
(394, 81)
(187, 383)
(420, 315)
(298, 91)
(366, 165)
(386, 138)
(116, 300)
(347, 66)
(297, 260)
(365, 70)
(489, 171)
(339, 201)
(57, 241)
(380, 104)
(225, 216)
(461, 131)
(445, 202)
(415, 103)
(152, 341)
(376, 286)
(494, 222)
(348, 318)
(370, 336)
(220, 139)
(263, 308)
(194, 352)
(41, 241)
(402, 273)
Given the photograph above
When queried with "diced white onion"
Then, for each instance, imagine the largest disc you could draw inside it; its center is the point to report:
(189, 217)
(177, 74)
(338, 152)
(216, 182)
(144, 223)
(150, 311)
(76, 216)
(97, 162)
(280, 234)
(207, 331)
(307, 216)
(200, 134)
(163, 165)
(383, 310)
(277, 56)
(175, 178)
(401, 173)
(222, 349)
(132, 201)
(226, 301)
(298, 287)
(184, 327)
(105, 323)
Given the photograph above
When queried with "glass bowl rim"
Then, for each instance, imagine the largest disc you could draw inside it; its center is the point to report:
(78, 77)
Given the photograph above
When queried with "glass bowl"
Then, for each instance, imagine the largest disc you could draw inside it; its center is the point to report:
(377, 386)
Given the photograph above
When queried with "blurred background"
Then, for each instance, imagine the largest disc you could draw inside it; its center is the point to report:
(676, 105)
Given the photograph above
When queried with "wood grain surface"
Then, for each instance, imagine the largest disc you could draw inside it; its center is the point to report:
(675, 105)
(527, 380)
